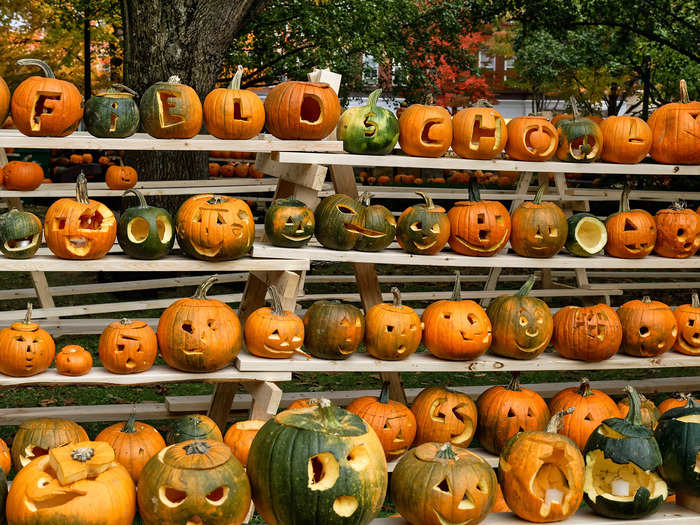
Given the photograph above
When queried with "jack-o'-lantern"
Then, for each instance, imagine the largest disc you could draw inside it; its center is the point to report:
(121, 177)
(25, 349)
(626, 139)
(677, 232)
(22, 176)
(393, 422)
(79, 228)
(522, 326)
(423, 229)
(622, 458)
(215, 227)
(539, 229)
(36, 437)
(233, 113)
(435, 484)
(456, 329)
(589, 333)
(20, 234)
(479, 132)
(112, 113)
(333, 330)
(301, 110)
(580, 138)
(675, 129)
(73, 360)
(649, 327)
(650, 414)
(631, 233)
(479, 228)
(274, 332)
(198, 481)
(128, 347)
(171, 110)
(531, 138)
(542, 474)
(145, 232)
(329, 461)
(193, 426)
(370, 129)
(239, 437)
(444, 415)
(392, 331)
(5, 463)
(4, 101)
(425, 131)
(289, 223)
(506, 410)
(198, 334)
(688, 319)
(45, 106)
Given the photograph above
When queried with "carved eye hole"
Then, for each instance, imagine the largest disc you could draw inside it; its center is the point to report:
(435, 228)
(290, 222)
(323, 471)
(345, 209)
(417, 226)
(243, 215)
(358, 458)
(481, 487)
(523, 320)
(539, 319)
(275, 335)
(171, 497)
(443, 486)
(187, 327)
(344, 322)
(218, 496)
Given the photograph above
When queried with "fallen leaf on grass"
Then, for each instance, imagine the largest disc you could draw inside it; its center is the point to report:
(48, 402)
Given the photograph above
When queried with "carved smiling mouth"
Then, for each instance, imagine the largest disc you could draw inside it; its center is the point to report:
(444, 521)
(471, 246)
(208, 251)
(424, 246)
(363, 231)
(20, 244)
(296, 238)
(78, 245)
(531, 349)
(691, 346)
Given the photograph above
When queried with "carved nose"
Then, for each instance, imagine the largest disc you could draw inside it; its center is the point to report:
(532, 332)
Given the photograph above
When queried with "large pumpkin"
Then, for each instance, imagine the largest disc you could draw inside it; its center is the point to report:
(20, 234)
(531, 139)
(301, 110)
(444, 415)
(675, 129)
(45, 106)
(688, 320)
(506, 410)
(580, 138)
(589, 333)
(128, 347)
(649, 327)
(479, 132)
(36, 437)
(425, 131)
(677, 232)
(112, 113)
(233, 113)
(370, 129)
(317, 465)
(289, 223)
(333, 330)
(522, 326)
(145, 232)
(193, 426)
(22, 176)
(25, 349)
(626, 139)
(239, 437)
(198, 334)
(435, 484)
(631, 233)
(539, 229)
(423, 229)
(171, 110)
(392, 331)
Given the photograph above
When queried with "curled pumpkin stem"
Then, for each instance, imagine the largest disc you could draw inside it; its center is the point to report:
(555, 423)
(203, 288)
(397, 297)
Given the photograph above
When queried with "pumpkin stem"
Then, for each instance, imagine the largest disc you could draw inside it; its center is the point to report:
(474, 193)
(215, 199)
(540, 193)
(482, 103)
(139, 196)
(373, 98)
(325, 409)
(48, 72)
(685, 98)
(197, 447)
(457, 289)
(365, 198)
(555, 422)
(126, 89)
(514, 384)
(428, 200)
(81, 194)
(397, 297)
(82, 454)
(690, 402)
(384, 395)
(173, 79)
(679, 205)
(236, 80)
(276, 300)
(574, 108)
(124, 321)
(646, 299)
(129, 427)
(695, 302)
(446, 452)
(625, 199)
(28, 315)
(201, 292)
(634, 416)
(584, 390)
(525, 288)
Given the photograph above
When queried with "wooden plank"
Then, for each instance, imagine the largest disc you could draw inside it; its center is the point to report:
(88, 413)
(49, 191)
(220, 408)
(266, 397)
(308, 175)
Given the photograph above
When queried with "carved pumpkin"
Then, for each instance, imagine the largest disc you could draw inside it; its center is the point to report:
(688, 320)
(128, 347)
(301, 110)
(589, 333)
(539, 229)
(506, 410)
(587, 235)
(25, 349)
(649, 327)
(4, 101)
(289, 223)
(198, 334)
(580, 139)
(435, 484)
(444, 415)
(479, 132)
(5, 457)
(134, 443)
(333, 330)
(542, 474)
(423, 229)
(20, 234)
(171, 110)
(233, 113)
(73, 360)
(479, 228)
(675, 129)
(370, 129)
(145, 232)
(649, 413)
(23, 176)
(677, 232)
(239, 437)
(215, 227)
(425, 131)
(393, 422)
(45, 106)
(626, 139)
(531, 139)
(121, 177)
(198, 481)
(193, 426)
(456, 329)
(36, 437)
(112, 113)
(631, 233)
(522, 326)
(392, 331)
(274, 332)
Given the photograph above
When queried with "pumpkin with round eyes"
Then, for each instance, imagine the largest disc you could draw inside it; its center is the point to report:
(121, 177)
(112, 113)
(539, 229)
(289, 223)
(20, 234)
(531, 138)
(239, 437)
(392, 331)
(435, 484)
(631, 233)
(506, 410)
(197, 481)
(626, 139)
(444, 415)
(171, 110)
(688, 319)
(589, 333)
(649, 413)
(193, 426)
(73, 360)
(424, 228)
(456, 329)
(145, 232)
(675, 129)
(479, 132)
(22, 176)
(393, 422)
(36, 437)
(274, 332)
(425, 131)
(522, 326)
(542, 474)
(649, 328)
(25, 348)
(677, 232)
(580, 138)
(128, 347)
(333, 330)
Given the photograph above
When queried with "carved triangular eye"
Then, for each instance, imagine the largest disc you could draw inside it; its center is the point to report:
(344, 322)
(589, 417)
(290, 222)
(443, 486)
(529, 412)
(511, 413)
(218, 495)
(629, 226)
(275, 334)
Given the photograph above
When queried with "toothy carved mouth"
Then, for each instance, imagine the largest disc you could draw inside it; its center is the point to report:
(363, 231)
(424, 246)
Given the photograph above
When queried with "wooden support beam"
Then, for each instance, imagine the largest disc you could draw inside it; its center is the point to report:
(220, 408)
(266, 397)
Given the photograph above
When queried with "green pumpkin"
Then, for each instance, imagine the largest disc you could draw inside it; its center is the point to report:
(369, 130)
(112, 113)
(318, 465)
(378, 226)
(145, 232)
(587, 235)
(289, 223)
(333, 330)
(193, 426)
(20, 234)
(424, 228)
(624, 450)
(580, 139)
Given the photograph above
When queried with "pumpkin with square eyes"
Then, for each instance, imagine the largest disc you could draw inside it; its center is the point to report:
(128, 347)
(215, 227)
(392, 331)
(531, 138)
(688, 319)
(171, 110)
(25, 349)
(435, 484)
(677, 232)
(539, 229)
(333, 330)
(589, 333)
(444, 415)
(145, 232)
(626, 139)
(631, 233)
(425, 131)
(289, 223)
(522, 326)
(675, 129)
(479, 132)
(194, 482)
(649, 327)
(423, 229)
(36, 437)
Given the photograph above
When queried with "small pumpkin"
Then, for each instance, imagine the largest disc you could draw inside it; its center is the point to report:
(479, 132)
(580, 138)
(650, 414)
(239, 437)
(112, 113)
(626, 139)
(20, 234)
(36, 437)
(631, 233)
(171, 110)
(676, 400)
(121, 177)
(539, 229)
(23, 176)
(589, 333)
(675, 129)
(214, 168)
(392, 331)
(425, 131)
(677, 232)
(649, 328)
(289, 223)
(688, 320)
(73, 360)
(531, 138)
(193, 427)
(370, 129)
(25, 348)
(444, 415)
(145, 232)
(423, 229)
(333, 330)
(128, 347)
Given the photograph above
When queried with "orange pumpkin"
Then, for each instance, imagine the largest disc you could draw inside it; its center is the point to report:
(626, 139)
(675, 129)
(25, 349)
(532, 139)
(444, 415)
(301, 110)
(121, 177)
(234, 113)
(23, 176)
(128, 347)
(677, 232)
(676, 400)
(76, 158)
(590, 333)
(392, 331)
(5, 456)
(34, 438)
(87, 158)
(240, 436)
(479, 132)
(650, 413)
(171, 110)
(425, 131)
(73, 360)
(631, 233)
(227, 170)
(688, 319)
(649, 328)
(302, 403)
(499, 504)
(4, 101)
(241, 170)
(214, 168)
